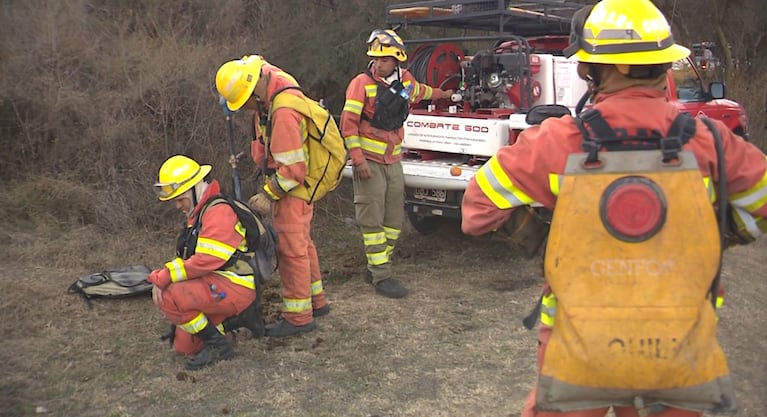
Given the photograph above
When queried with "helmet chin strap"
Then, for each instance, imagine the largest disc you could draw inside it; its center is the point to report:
(194, 194)
(394, 76)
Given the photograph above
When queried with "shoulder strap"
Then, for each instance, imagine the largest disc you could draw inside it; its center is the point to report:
(602, 133)
(591, 122)
(216, 199)
(721, 199)
(680, 132)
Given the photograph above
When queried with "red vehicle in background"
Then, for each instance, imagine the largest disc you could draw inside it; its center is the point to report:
(520, 66)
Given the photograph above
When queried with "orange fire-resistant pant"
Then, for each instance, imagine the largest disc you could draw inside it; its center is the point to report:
(299, 266)
(544, 333)
(185, 300)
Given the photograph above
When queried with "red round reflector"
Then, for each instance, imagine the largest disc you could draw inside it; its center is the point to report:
(633, 209)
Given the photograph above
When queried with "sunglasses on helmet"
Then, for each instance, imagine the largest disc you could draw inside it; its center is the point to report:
(165, 190)
(386, 37)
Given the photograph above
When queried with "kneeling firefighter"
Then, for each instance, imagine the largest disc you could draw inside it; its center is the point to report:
(631, 264)
(207, 289)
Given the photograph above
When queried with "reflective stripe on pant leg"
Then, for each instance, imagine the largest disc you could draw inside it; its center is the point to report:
(317, 286)
(394, 208)
(291, 219)
(369, 200)
(183, 301)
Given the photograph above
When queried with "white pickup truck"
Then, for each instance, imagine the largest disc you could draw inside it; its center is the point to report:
(447, 141)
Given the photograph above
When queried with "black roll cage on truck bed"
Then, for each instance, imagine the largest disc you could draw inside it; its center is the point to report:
(501, 17)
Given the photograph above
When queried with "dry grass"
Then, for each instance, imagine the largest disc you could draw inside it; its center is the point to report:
(95, 94)
(454, 346)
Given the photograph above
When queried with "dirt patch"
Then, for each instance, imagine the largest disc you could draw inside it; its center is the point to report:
(454, 346)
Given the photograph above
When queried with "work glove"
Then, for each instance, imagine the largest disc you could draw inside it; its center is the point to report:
(261, 204)
(526, 231)
(224, 107)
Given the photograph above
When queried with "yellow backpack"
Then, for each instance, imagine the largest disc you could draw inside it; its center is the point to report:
(631, 256)
(326, 150)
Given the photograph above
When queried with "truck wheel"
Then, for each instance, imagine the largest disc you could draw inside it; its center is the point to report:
(424, 224)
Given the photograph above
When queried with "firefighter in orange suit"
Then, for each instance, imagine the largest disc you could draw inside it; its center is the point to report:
(196, 290)
(250, 83)
(371, 123)
(627, 78)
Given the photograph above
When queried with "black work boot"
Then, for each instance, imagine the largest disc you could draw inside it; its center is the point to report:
(216, 348)
(391, 288)
(249, 318)
(283, 328)
(322, 311)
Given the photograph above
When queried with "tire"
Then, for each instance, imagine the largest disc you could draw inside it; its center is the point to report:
(424, 224)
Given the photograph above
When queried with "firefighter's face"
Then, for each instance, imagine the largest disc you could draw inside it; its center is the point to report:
(184, 203)
(384, 65)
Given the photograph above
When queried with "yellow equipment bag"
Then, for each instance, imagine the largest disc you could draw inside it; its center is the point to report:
(633, 249)
(326, 150)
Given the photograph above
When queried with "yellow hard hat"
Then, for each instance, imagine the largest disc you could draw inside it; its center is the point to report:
(235, 80)
(386, 42)
(631, 32)
(178, 174)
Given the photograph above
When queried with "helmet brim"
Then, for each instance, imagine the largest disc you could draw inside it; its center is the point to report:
(204, 170)
(673, 53)
(236, 105)
(378, 55)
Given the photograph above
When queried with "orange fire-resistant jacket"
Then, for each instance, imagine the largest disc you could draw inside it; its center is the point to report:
(302, 288)
(527, 171)
(363, 140)
(287, 152)
(219, 237)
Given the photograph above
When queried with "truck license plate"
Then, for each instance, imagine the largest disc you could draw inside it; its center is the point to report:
(430, 194)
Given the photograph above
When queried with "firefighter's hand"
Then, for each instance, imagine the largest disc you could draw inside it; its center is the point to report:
(157, 295)
(261, 204)
(363, 171)
(447, 94)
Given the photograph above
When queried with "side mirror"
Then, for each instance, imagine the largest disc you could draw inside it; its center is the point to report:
(716, 90)
(538, 114)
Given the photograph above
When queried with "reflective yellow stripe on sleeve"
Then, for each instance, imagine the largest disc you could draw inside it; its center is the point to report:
(497, 186)
(352, 141)
(548, 309)
(353, 106)
(246, 281)
(286, 183)
(290, 157)
(176, 269)
(214, 248)
(555, 181)
(710, 189)
(752, 199)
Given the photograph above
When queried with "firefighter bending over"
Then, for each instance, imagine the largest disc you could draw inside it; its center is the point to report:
(251, 83)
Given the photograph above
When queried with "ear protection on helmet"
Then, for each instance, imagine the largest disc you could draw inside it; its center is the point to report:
(576, 30)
